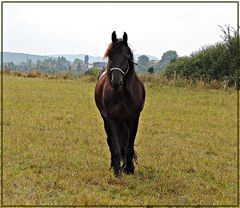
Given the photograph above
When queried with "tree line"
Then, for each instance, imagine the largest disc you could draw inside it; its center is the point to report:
(145, 65)
(219, 62)
(50, 65)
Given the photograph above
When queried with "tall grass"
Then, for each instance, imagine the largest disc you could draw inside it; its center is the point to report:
(177, 81)
(157, 78)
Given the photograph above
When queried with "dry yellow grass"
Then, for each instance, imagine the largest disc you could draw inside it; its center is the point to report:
(55, 149)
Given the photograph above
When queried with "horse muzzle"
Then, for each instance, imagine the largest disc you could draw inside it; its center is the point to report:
(117, 86)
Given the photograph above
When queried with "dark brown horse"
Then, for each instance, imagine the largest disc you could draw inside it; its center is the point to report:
(119, 96)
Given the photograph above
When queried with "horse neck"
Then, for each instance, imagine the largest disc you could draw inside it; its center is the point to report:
(130, 77)
(108, 71)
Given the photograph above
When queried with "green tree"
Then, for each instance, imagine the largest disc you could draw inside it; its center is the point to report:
(38, 64)
(29, 64)
(86, 59)
(10, 65)
(143, 63)
(215, 62)
(167, 57)
(150, 70)
(143, 60)
(62, 64)
(231, 40)
(78, 61)
(95, 71)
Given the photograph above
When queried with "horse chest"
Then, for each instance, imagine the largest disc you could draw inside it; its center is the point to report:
(118, 108)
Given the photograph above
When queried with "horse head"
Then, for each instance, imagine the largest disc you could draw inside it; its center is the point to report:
(119, 60)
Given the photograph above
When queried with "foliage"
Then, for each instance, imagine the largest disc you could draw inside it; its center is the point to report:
(93, 71)
(10, 65)
(211, 62)
(78, 61)
(143, 63)
(150, 70)
(86, 59)
(48, 65)
(214, 62)
(62, 63)
(167, 57)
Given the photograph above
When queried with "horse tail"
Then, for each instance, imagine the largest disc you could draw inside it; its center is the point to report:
(135, 157)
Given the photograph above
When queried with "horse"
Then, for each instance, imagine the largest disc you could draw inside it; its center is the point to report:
(119, 97)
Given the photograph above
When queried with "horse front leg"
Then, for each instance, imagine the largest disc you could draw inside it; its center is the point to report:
(108, 137)
(113, 142)
(131, 155)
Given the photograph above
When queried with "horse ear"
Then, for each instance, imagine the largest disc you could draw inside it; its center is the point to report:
(125, 37)
(114, 37)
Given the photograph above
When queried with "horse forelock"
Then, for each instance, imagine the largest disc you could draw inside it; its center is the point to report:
(115, 46)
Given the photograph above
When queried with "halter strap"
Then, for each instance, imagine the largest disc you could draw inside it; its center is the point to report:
(118, 69)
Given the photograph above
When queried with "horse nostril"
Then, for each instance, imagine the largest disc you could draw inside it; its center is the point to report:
(116, 85)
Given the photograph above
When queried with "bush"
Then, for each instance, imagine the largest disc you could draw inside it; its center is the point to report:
(35, 74)
(210, 63)
(216, 62)
(94, 72)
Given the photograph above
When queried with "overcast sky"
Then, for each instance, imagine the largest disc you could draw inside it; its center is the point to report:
(73, 28)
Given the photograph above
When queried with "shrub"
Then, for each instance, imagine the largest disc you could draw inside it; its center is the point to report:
(215, 62)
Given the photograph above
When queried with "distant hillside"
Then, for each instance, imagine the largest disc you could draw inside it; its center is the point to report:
(18, 58)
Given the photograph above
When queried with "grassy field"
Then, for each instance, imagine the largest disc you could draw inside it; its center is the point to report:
(56, 153)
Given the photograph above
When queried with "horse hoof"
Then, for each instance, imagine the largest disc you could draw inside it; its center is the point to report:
(128, 170)
(118, 173)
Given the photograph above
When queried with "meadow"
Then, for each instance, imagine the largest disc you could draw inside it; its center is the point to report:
(55, 150)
